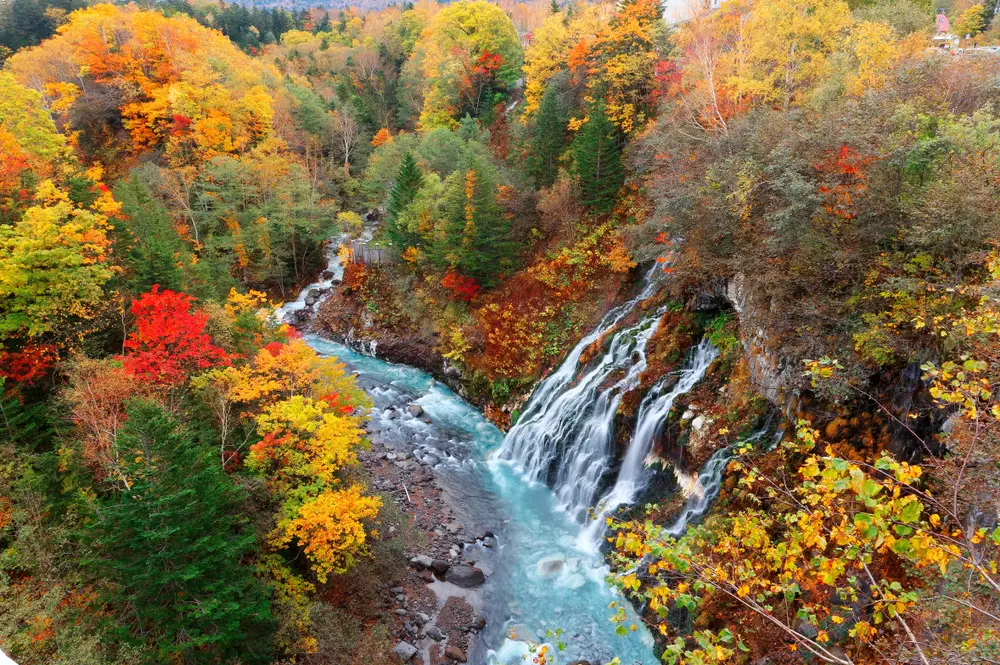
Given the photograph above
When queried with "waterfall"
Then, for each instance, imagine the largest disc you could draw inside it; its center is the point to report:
(564, 435)
(652, 414)
(703, 492)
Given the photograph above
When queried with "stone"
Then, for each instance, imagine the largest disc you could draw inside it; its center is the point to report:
(687, 415)
(420, 618)
(440, 567)
(550, 566)
(435, 633)
(400, 597)
(698, 423)
(327, 274)
(404, 651)
(313, 293)
(422, 561)
(479, 622)
(410, 628)
(426, 576)
(415, 410)
(465, 576)
(400, 611)
(454, 653)
(396, 589)
(310, 301)
(431, 460)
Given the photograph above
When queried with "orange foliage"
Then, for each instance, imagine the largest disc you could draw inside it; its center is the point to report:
(183, 88)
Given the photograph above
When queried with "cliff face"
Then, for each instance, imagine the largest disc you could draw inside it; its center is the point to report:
(776, 376)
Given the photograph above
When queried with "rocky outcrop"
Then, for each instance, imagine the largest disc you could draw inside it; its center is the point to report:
(778, 378)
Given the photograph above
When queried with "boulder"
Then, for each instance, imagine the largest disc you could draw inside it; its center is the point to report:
(440, 567)
(422, 561)
(435, 633)
(415, 410)
(454, 653)
(426, 576)
(550, 566)
(465, 576)
(479, 622)
(698, 423)
(404, 651)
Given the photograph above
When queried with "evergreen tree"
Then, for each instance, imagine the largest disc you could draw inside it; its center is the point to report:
(171, 544)
(549, 137)
(407, 185)
(473, 236)
(598, 161)
(148, 243)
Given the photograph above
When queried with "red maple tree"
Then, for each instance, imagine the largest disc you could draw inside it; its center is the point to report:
(169, 342)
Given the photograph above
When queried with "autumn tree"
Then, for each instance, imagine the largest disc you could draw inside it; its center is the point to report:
(169, 342)
(623, 63)
(598, 160)
(465, 37)
(171, 545)
(971, 22)
(54, 263)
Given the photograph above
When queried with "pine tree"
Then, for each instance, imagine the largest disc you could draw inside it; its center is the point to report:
(171, 544)
(408, 183)
(549, 137)
(598, 161)
(474, 236)
(148, 242)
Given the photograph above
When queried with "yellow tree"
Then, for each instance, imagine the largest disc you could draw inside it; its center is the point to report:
(785, 48)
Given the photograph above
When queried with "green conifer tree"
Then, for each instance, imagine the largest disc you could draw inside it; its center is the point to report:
(148, 243)
(598, 161)
(408, 183)
(171, 544)
(473, 237)
(549, 137)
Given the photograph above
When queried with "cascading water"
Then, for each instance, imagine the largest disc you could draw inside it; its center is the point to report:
(334, 267)
(653, 412)
(564, 434)
(539, 578)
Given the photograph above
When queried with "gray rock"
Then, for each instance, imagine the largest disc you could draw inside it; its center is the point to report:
(310, 301)
(465, 576)
(422, 561)
(410, 628)
(400, 611)
(313, 293)
(454, 653)
(698, 423)
(400, 597)
(420, 618)
(479, 622)
(415, 410)
(396, 589)
(440, 567)
(435, 633)
(404, 651)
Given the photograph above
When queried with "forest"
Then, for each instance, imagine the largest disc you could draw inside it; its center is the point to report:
(545, 331)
